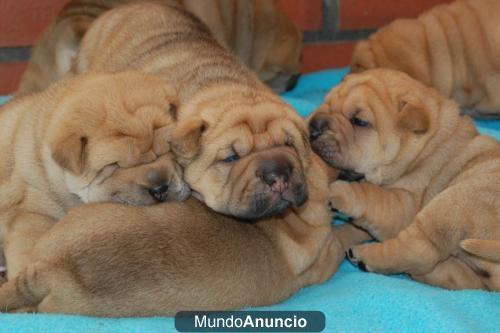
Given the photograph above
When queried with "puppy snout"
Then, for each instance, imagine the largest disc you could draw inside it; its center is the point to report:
(317, 127)
(159, 192)
(276, 173)
(292, 82)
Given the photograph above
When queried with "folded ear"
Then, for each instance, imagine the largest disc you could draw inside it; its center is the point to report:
(70, 153)
(185, 141)
(363, 57)
(413, 117)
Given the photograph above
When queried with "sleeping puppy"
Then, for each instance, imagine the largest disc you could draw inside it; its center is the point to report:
(244, 150)
(94, 138)
(432, 180)
(179, 256)
(256, 31)
(454, 48)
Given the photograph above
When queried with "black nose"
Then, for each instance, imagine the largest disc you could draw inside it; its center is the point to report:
(292, 82)
(317, 126)
(276, 173)
(159, 192)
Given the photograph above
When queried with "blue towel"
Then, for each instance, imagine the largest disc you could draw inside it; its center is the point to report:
(352, 301)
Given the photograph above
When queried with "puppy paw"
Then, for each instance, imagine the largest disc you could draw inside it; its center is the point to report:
(343, 199)
(373, 257)
(356, 260)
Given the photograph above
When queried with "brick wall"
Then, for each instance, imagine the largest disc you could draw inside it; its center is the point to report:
(330, 27)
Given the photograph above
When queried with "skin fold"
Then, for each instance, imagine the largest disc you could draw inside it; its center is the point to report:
(256, 31)
(454, 48)
(184, 256)
(98, 137)
(432, 181)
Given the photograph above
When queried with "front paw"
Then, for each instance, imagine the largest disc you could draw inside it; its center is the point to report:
(343, 199)
(356, 260)
(370, 258)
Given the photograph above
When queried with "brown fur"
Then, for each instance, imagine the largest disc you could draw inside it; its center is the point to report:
(90, 139)
(432, 180)
(256, 31)
(225, 110)
(182, 256)
(454, 48)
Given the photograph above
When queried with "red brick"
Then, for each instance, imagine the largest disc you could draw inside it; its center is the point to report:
(359, 14)
(323, 56)
(22, 21)
(305, 13)
(10, 74)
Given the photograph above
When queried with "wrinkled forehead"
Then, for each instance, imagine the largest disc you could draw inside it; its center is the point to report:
(360, 89)
(260, 129)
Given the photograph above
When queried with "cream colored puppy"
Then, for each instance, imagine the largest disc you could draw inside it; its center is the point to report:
(114, 260)
(432, 180)
(244, 150)
(99, 137)
(256, 31)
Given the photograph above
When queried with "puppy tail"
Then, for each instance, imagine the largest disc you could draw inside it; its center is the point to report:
(22, 291)
(485, 249)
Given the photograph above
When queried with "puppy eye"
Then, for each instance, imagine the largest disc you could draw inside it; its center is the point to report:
(231, 158)
(359, 122)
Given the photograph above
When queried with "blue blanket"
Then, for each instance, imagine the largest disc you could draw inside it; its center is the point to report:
(353, 301)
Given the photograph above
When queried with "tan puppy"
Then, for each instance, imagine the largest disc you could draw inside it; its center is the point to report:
(432, 180)
(262, 37)
(244, 150)
(454, 48)
(182, 256)
(94, 138)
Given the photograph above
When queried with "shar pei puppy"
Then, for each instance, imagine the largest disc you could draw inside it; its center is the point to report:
(454, 48)
(99, 137)
(432, 190)
(244, 150)
(256, 31)
(114, 260)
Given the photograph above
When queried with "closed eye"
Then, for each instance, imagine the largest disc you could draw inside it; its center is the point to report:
(231, 158)
(359, 122)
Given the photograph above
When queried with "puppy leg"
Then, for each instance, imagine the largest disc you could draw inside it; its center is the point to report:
(383, 213)
(436, 232)
(20, 237)
(412, 251)
(452, 274)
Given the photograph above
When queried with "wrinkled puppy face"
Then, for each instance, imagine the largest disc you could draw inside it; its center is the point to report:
(109, 136)
(249, 163)
(374, 124)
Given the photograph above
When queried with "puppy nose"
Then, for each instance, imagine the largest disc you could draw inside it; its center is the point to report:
(317, 126)
(276, 173)
(159, 192)
(292, 82)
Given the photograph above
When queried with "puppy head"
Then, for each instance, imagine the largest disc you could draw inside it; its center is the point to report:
(108, 139)
(280, 67)
(376, 124)
(245, 159)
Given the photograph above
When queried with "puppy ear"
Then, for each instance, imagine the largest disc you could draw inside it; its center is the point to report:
(413, 118)
(185, 141)
(70, 153)
(363, 57)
